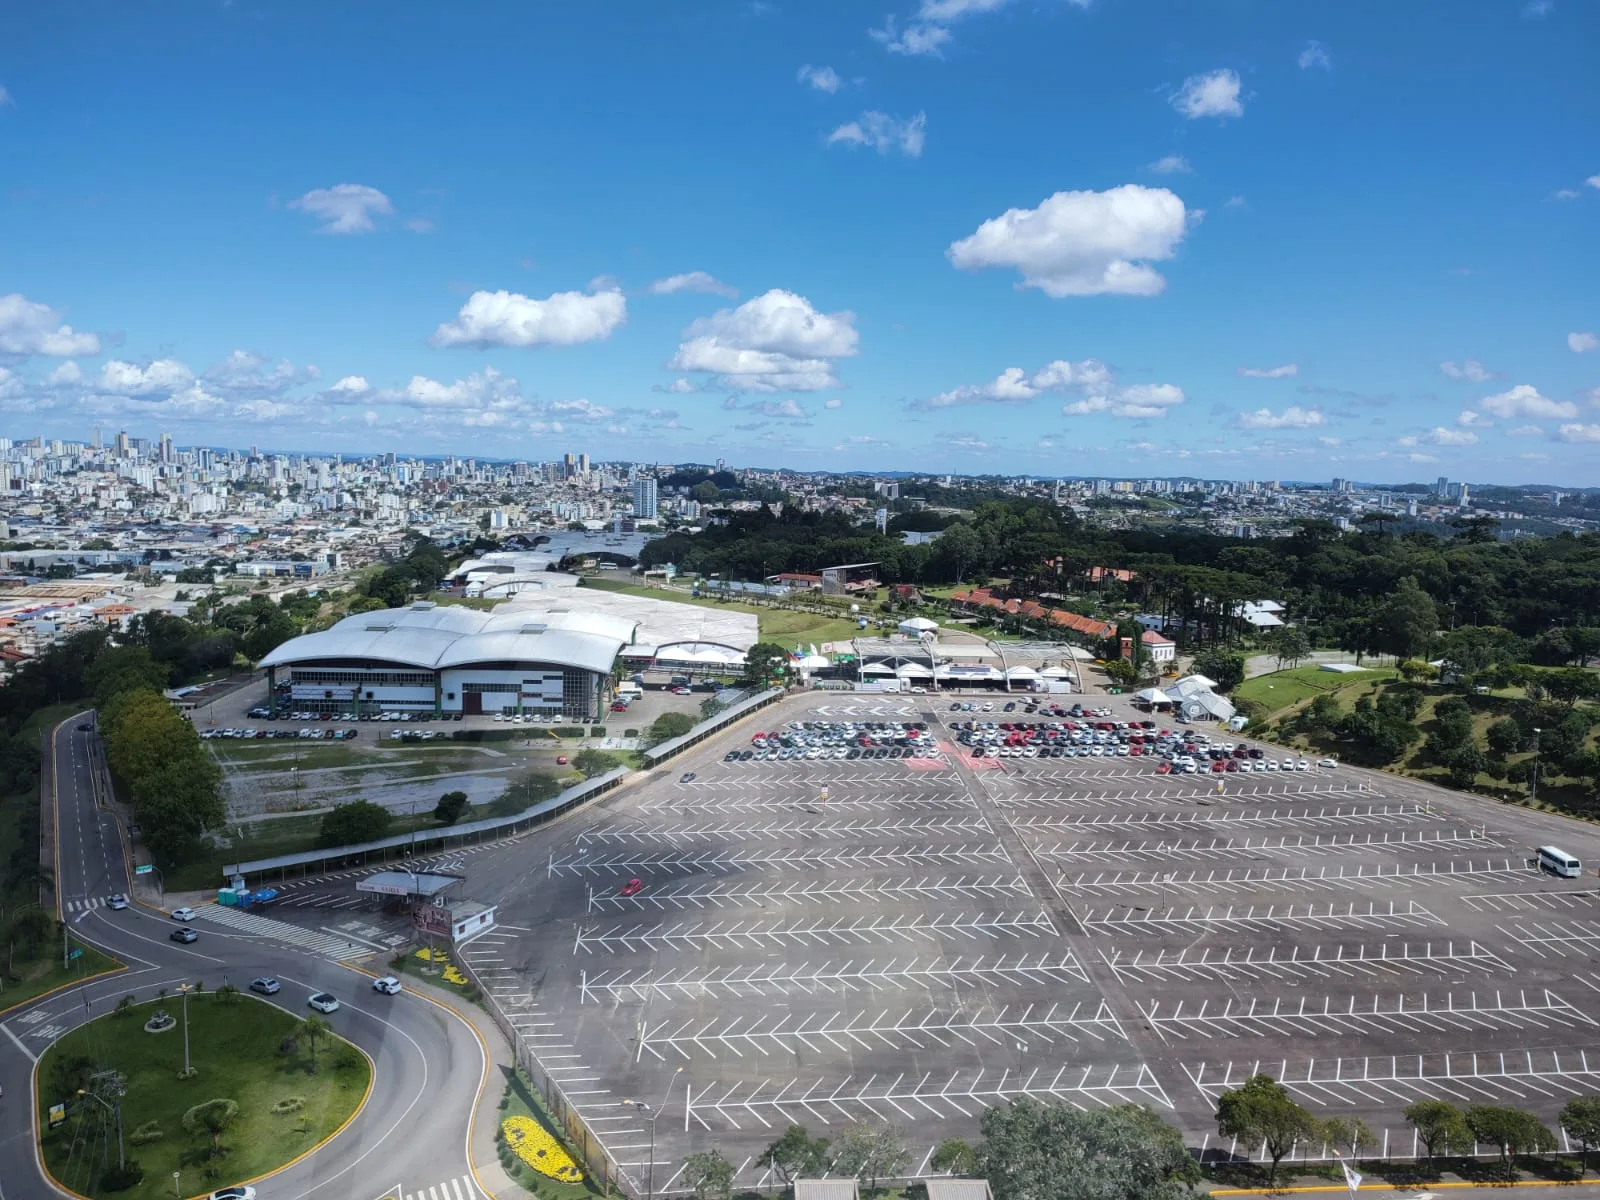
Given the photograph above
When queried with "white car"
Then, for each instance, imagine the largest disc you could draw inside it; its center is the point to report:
(1328, 763)
(183, 914)
(240, 1192)
(117, 901)
(1302, 765)
(323, 1002)
(388, 985)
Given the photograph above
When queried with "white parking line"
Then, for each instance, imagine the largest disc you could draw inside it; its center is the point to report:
(729, 861)
(902, 827)
(766, 1034)
(1354, 915)
(781, 979)
(1306, 1018)
(1342, 843)
(1302, 962)
(1290, 879)
(723, 895)
(1460, 1077)
(1557, 938)
(815, 932)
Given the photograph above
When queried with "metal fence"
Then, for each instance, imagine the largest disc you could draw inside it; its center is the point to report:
(657, 755)
(598, 1163)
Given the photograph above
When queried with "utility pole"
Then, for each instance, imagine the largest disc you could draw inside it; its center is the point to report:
(651, 1115)
(1533, 779)
(183, 990)
(113, 1085)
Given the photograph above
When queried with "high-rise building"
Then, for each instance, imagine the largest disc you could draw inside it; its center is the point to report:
(166, 448)
(1442, 487)
(583, 464)
(644, 498)
(123, 448)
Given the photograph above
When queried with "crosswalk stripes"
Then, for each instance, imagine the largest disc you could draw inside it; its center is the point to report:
(459, 1188)
(318, 943)
(85, 905)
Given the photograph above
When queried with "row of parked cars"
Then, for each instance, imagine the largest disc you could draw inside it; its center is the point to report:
(1029, 707)
(262, 713)
(839, 739)
(330, 735)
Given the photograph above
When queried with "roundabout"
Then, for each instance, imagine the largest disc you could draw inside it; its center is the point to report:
(246, 1089)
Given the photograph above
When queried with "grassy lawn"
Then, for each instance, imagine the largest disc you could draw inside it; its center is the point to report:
(521, 1100)
(1284, 689)
(30, 978)
(237, 1050)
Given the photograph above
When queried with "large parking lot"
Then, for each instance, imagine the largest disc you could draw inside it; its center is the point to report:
(909, 937)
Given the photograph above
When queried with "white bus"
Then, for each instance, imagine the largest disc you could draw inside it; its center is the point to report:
(1559, 862)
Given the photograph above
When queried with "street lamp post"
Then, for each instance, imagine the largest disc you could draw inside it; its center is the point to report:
(115, 1110)
(1533, 779)
(183, 990)
(651, 1115)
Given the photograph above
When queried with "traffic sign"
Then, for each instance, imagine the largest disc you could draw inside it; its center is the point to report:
(143, 869)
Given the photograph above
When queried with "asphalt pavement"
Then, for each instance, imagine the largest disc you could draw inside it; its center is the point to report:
(411, 1139)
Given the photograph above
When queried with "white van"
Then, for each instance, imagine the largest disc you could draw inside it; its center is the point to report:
(628, 690)
(1559, 862)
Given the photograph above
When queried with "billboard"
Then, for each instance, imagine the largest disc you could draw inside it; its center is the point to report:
(431, 921)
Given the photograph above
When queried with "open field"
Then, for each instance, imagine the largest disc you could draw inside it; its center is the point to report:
(1285, 689)
(237, 1051)
(902, 941)
(785, 626)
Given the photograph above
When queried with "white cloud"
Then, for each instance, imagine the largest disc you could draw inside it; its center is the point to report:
(965, 441)
(1315, 55)
(1526, 431)
(419, 225)
(1525, 401)
(1015, 386)
(678, 387)
(1286, 371)
(833, 402)
(1423, 458)
(919, 38)
(775, 342)
(1582, 343)
(1293, 417)
(512, 319)
(66, 374)
(5, 99)
(129, 379)
(352, 385)
(1471, 370)
(1441, 436)
(27, 327)
(1475, 419)
(692, 281)
(823, 79)
(1566, 193)
(1580, 433)
(1142, 400)
(1537, 8)
(1171, 164)
(1593, 181)
(1214, 94)
(1234, 202)
(345, 207)
(1082, 243)
(884, 133)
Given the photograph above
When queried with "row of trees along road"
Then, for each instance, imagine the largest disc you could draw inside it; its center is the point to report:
(1036, 1150)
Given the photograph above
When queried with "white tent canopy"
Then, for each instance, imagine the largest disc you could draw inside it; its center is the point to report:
(917, 625)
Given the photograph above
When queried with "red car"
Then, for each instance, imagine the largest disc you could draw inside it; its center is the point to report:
(632, 888)
(1164, 769)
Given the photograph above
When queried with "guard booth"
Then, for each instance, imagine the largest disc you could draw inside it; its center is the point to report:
(405, 891)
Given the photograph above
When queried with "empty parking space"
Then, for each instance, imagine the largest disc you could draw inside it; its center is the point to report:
(913, 935)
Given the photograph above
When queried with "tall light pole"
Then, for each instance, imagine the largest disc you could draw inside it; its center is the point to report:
(115, 1109)
(1533, 779)
(183, 990)
(651, 1115)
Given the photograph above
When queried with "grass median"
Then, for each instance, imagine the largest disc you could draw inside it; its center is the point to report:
(266, 1089)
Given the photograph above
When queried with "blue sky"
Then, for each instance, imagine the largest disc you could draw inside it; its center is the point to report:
(1228, 238)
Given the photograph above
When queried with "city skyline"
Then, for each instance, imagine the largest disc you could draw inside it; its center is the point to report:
(1277, 242)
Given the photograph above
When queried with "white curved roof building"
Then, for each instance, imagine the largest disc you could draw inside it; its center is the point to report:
(453, 659)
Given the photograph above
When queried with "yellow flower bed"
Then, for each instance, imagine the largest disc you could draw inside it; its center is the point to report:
(427, 955)
(539, 1150)
(454, 975)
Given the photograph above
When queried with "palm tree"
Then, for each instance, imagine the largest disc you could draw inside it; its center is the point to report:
(314, 1027)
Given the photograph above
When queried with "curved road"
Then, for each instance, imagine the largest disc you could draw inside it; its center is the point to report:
(409, 1142)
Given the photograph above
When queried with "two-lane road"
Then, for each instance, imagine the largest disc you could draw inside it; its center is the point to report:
(410, 1139)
